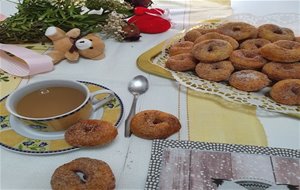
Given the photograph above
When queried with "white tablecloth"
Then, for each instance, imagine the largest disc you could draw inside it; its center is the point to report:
(128, 157)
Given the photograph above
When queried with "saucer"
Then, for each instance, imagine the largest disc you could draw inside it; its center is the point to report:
(21, 141)
(19, 127)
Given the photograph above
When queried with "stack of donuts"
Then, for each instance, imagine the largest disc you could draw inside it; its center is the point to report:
(249, 58)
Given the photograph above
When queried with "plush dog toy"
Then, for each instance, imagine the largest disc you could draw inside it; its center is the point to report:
(150, 21)
(69, 45)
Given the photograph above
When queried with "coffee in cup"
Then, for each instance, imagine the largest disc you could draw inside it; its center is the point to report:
(49, 102)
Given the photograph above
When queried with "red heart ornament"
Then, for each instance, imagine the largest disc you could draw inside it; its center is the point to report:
(150, 20)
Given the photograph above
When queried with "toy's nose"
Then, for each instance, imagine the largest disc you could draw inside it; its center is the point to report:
(83, 44)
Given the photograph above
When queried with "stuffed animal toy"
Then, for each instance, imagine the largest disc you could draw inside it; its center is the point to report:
(150, 21)
(69, 45)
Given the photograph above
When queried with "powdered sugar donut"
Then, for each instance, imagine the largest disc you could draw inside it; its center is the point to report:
(249, 80)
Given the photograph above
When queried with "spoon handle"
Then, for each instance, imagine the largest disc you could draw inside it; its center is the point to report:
(130, 116)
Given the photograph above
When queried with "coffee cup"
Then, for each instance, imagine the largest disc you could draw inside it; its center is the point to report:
(54, 104)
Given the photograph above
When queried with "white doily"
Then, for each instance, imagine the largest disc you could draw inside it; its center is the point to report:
(259, 99)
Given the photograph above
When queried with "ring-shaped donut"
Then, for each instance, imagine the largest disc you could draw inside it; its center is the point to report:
(274, 33)
(215, 35)
(154, 124)
(247, 59)
(254, 44)
(282, 51)
(90, 133)
(181, 47)
(212, 50)
(181, 62)
(249, 80)
(238, 30)
(82, 174)
(192, 35)
(286, 92)
(280, 71)
(218, 71)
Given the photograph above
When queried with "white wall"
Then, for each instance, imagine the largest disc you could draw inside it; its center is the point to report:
(8, 7)
(264, 7)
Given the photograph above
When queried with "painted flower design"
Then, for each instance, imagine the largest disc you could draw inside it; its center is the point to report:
(2, 118)
(38, 126)
(42, 144)
(33, 145)
(28, 143)
(112, 104)
(4, 122)
(4, 77)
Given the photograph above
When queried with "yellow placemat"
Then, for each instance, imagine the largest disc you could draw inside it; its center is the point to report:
(212, 119)
(8, 83)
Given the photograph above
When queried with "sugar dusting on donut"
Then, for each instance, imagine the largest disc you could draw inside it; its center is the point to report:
(91, 133)
(249, 80)
(246, 76)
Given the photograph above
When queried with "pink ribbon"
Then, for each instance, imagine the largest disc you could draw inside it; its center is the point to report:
(2, 17)
(25, 62)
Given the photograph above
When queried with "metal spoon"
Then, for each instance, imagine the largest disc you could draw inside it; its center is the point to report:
(137, 86)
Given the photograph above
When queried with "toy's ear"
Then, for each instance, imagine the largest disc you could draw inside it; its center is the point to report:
(74, 33)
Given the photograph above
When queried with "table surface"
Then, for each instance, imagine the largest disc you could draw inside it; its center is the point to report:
(128, 157)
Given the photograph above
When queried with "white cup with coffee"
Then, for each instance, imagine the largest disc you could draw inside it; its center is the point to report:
(54, 104)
